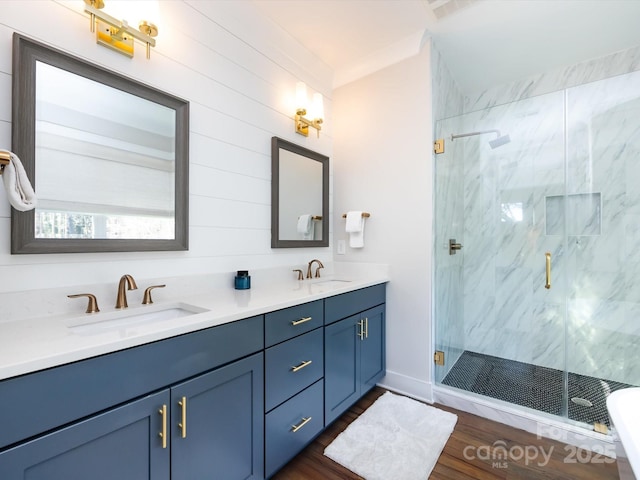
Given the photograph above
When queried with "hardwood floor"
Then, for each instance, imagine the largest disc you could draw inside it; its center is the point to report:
(459, 460)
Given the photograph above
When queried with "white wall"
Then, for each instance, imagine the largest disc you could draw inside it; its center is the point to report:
(239, 72)
(383, 164)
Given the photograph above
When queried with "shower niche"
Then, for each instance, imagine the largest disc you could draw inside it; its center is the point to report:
(564, 185)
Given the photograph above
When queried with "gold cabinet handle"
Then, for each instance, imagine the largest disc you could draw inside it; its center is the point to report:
(361, 329)
(183, 423)
(366, 327)
(305, 420)
(301, 366)
(302, 320)
(547, 285)
(163, 433)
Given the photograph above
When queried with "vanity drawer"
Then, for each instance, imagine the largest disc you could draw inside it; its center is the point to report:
(347, 304)
(282, 442)
(293, 321)
(292, 366)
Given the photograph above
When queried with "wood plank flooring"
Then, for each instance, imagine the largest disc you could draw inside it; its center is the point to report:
(460, 457)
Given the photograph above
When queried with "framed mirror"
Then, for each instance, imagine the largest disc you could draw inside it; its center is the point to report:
(299, 196)
(108, 157)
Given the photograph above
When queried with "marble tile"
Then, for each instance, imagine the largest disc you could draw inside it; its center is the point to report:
(597, 69)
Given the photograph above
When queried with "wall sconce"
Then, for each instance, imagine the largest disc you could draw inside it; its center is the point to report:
(117, 34)
(316, 111)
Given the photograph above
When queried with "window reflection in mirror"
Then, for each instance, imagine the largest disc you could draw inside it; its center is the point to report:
(114, 154)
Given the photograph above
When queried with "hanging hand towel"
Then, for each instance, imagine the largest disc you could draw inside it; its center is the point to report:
(355, 229)
(305, 227)
(16, 183)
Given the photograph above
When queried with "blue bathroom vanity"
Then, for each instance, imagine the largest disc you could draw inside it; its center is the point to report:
(236, 400)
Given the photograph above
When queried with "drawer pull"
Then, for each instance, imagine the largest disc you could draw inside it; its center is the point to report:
(183, 423)
(302, 320)
(305, 420)
(301, 366)
(361, 329)
(366, 327)
(163, 433)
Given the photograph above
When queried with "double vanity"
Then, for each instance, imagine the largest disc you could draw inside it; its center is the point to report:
(230, 385)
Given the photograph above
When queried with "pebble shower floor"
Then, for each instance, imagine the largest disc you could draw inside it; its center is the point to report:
(532, 386)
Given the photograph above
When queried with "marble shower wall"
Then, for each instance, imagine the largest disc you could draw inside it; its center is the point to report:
(512, 198)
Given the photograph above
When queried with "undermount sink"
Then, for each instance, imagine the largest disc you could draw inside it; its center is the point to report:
(102, 322)
(332, 282)
(324, 285)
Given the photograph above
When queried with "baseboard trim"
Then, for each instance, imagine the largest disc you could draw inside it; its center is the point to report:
(409, 386)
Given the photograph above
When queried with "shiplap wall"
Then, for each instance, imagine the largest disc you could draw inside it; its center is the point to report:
(238, 70)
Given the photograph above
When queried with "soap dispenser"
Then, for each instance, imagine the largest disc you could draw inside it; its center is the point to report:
(243, 280)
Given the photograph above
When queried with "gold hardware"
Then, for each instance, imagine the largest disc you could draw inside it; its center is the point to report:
(300, 276)
(438, 146)
(5, 158)
(438, 357)
(320, 265)
(117, 34)
(364, 215)
(547, 285)
(92, 305)
(302, 320)
(600, 428)
(301, 366)
(146, 299)
(121, 297)
(316, 217)
(453, 246)
(305, 420)
(366, 327)
(163, 433)
(183, 423)
(301, 122)
(361, 331)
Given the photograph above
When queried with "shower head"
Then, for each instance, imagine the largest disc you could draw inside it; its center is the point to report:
(499, 141)
(495, 143)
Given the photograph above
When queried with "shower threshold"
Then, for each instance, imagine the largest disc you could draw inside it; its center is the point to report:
(532, 386)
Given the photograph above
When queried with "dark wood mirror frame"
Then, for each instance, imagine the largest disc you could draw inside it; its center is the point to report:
(26, 53)
(276, 241)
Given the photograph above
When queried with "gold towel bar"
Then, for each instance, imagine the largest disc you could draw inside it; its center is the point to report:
(5, 158)
(316, 217)
(364, 214)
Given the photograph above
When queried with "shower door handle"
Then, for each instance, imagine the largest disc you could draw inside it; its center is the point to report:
(547, 284)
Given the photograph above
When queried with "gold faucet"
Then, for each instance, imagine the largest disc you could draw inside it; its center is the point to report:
(320, 265)
(121, 299)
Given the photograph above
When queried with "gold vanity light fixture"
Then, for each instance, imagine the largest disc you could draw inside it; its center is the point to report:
(315, 111)
(117, 34)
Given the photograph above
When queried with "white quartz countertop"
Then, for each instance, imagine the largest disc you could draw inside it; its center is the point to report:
(33, 344)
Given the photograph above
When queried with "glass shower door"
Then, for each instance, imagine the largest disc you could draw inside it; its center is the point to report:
(505, 206)
(603, 193)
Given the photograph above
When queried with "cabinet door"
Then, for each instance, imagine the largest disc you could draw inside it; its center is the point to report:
(123, 443)
(372, 355)
(217, 433)
(341, 367)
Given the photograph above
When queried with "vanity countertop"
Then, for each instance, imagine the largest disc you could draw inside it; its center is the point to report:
(34, 344)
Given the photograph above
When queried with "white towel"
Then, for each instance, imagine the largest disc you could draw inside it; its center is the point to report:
(305, 227)
(16, 183)
(355, 228)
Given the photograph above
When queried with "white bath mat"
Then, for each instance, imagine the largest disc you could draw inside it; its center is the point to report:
(396, 438)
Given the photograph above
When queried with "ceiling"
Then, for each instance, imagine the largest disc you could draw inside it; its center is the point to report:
(484, 42)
